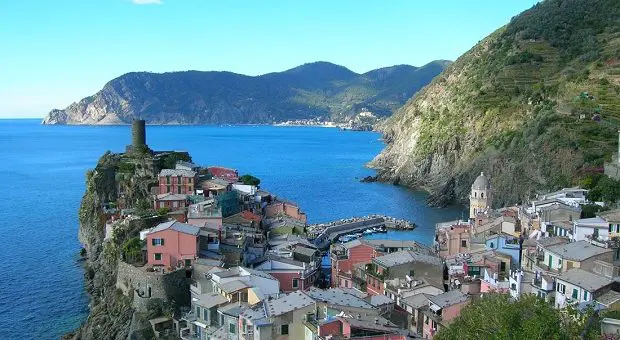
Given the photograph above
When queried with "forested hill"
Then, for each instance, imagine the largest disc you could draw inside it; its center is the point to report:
(316, 90)
(536, 105)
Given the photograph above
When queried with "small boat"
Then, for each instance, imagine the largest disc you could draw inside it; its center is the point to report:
(368, 231)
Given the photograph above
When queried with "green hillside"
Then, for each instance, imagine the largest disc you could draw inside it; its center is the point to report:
(536, 104)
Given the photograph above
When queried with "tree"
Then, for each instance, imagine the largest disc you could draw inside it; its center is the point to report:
(249, 180)
(497, 316)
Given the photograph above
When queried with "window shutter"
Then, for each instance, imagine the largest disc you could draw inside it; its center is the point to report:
(152, 241)
(162, 241)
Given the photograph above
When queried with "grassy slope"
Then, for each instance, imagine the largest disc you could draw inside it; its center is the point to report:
(511, 105)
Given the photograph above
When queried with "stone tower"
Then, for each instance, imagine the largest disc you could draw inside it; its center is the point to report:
(480, 197)
(138, 134)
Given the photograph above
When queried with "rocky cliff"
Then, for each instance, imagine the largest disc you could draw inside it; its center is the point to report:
(536, 105)
(112, 314)
(316, 90)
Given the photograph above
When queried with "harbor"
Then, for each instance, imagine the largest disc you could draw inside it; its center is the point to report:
(350, 229)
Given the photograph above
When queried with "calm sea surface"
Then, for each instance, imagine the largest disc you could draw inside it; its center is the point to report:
(43, 167)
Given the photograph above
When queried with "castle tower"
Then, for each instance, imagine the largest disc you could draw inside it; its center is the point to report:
(138, 134)
(480, 197)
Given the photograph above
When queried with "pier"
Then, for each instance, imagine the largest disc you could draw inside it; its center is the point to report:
(326, 234)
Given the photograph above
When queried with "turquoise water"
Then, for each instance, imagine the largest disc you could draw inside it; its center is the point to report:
(41, 290)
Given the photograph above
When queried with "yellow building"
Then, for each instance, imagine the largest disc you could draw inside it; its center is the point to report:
(480, 197)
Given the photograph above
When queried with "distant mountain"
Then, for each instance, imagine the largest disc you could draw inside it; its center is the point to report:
(535, 105)
(314, 90)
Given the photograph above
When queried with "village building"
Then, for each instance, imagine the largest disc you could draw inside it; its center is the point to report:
(596, 228)
(279, 319)
(442, 309)
(398, 289)
(452, 238)
(334, 301)
(214, 187)
(172, 244)
(344, 256)
(580, 254)
(577, 285)
(400, 264)
(292, 274)
(188, 166)
(206, 213)
(506, 244)
(177, 181)
(357, 327)
(613, 220)
(281, 208)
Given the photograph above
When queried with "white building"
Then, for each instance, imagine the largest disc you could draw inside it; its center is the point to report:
(578, 285)
(590, 226)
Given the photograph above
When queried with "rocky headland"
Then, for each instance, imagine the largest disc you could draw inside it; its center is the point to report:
(320, 90)
(533, 106)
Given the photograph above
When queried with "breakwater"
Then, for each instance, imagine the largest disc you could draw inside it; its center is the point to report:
(326, 233)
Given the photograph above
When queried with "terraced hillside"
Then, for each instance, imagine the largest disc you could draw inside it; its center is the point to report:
(536, 104)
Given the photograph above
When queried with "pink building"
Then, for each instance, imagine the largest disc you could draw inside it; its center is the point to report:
(368, 328)
(344, 256)
(443, 308)
(292, 274)
(453, 240)
(285, 208)
(177, 181)
(172, 244)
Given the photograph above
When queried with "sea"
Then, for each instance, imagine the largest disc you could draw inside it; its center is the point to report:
(43, 170)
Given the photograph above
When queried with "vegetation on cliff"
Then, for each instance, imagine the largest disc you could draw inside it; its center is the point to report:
(536, 105)
(111, 313)
(316, 90)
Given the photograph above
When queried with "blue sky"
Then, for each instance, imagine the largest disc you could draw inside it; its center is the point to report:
(56, 52)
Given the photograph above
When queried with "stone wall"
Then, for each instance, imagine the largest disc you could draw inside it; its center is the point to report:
(171, 286)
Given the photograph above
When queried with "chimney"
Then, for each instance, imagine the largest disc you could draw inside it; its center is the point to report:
(376, 321)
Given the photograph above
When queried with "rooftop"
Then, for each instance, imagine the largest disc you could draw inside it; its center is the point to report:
(233, 286)
(352, 244)
(338, 297)
(186, 164)
(398, 244)
(177, 172)
(211, 300)
(416, 301)
(305, 251)
(287, 303)
(608, 298)
(171, 197)
(611, 215)
(380, 300)
(383, 325)
(551, 241)
(566, 225)
(448, 298)
(176, 226)
(586, 280)
(592, 222)
(577, 251)
(405, 256)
